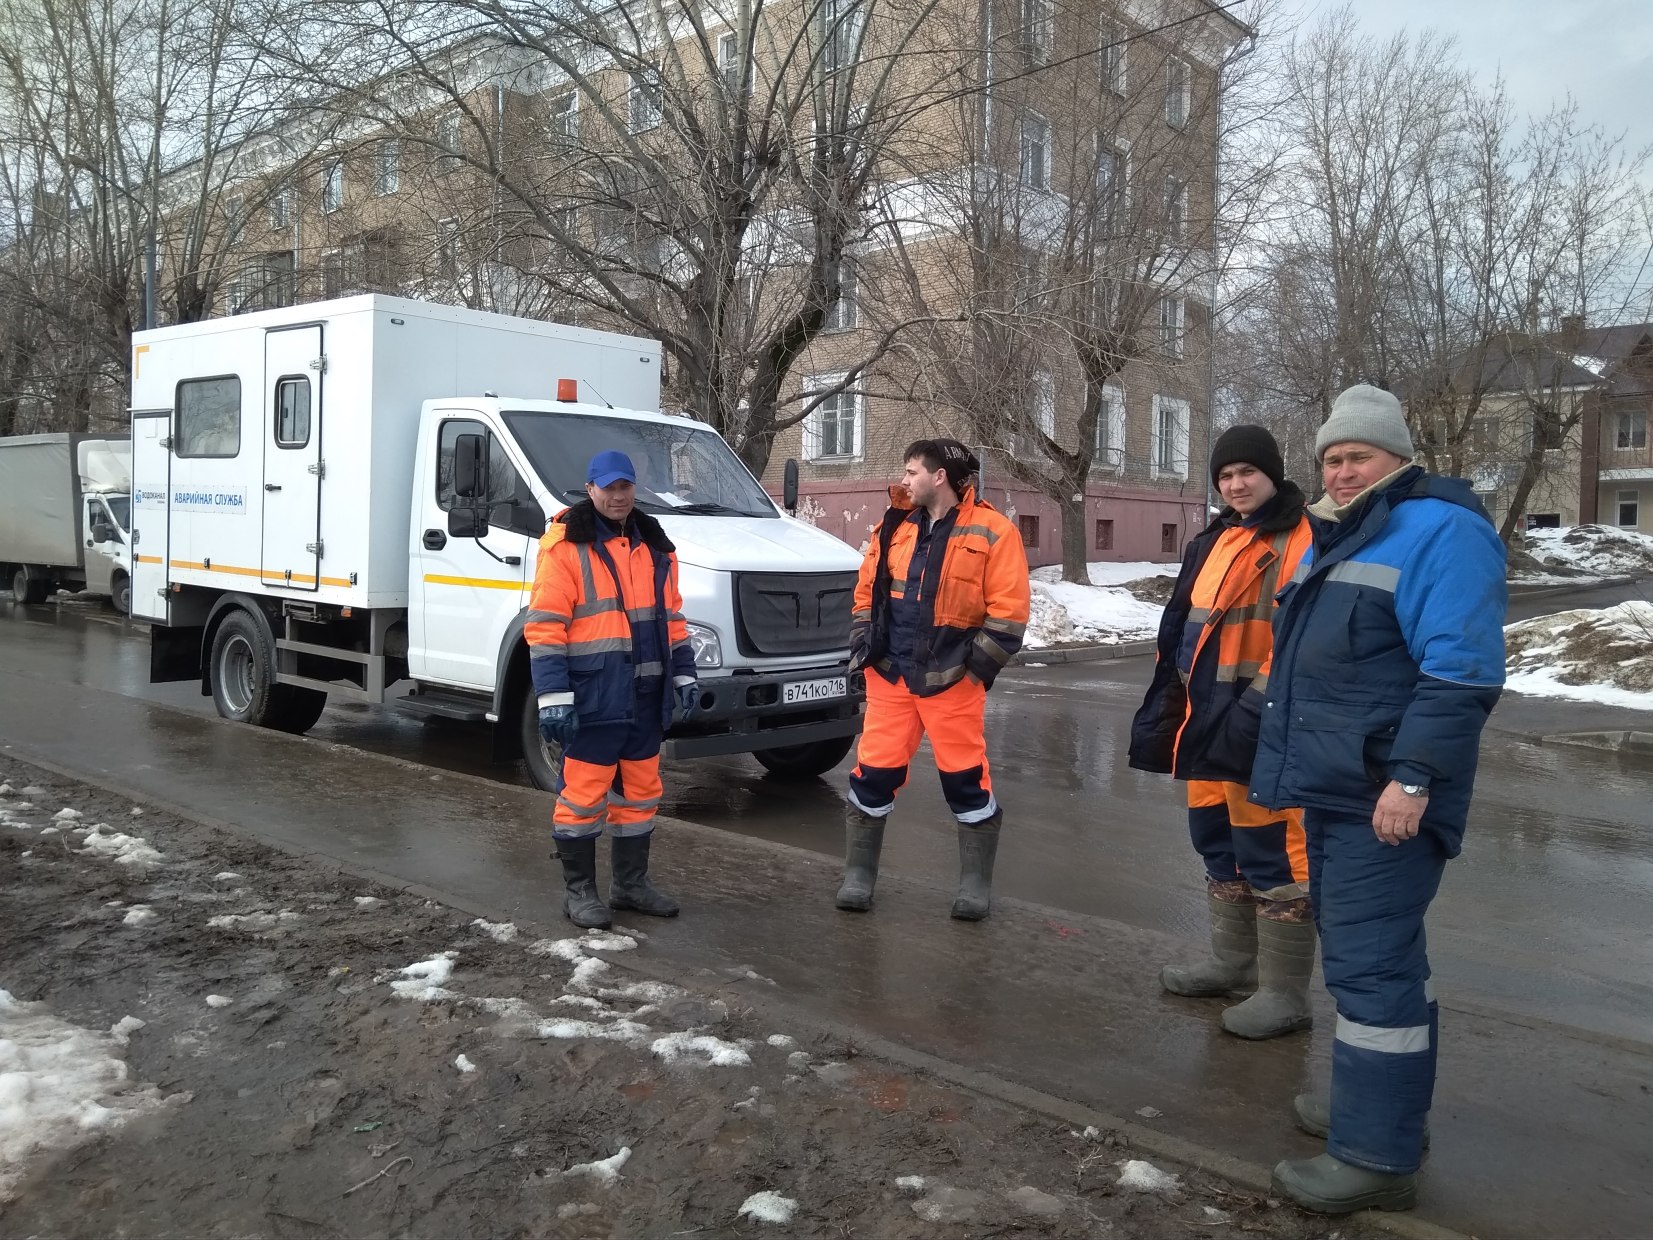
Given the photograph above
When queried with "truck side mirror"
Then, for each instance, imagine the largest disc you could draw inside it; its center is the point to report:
(467, 523)
(467, 466)
(522, 515)
(789, 487)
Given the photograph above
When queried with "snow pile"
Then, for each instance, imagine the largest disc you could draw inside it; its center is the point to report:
(768, 1207)
(498, 931)
(464, 1064)
(1592, 551)
(138, 915)
(130, 850)
(219, 1001)
(123, 1029)
(605, 1172)
(1143, 1177)
(1603, 656)
(423, 979)
(59, 1085)
(251, 921)
(1101, 613)
(700, 1049)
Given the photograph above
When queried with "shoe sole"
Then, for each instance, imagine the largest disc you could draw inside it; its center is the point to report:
(1295, 1027)
(1388, 1201)
(626, 906)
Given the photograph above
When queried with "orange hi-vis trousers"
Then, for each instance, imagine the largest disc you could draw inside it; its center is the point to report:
(1242, 841)
(896, 721)
(611, 774)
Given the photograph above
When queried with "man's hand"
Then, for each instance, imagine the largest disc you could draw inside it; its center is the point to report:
(1397, 816)
(558, 724)
(688, 697)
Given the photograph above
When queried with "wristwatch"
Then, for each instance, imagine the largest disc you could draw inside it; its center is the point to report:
(1415, 790)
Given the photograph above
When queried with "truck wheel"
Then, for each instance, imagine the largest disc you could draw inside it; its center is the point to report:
(121, 593)
(242, 675)
(26, 587)
(805, 761)
(542, 762)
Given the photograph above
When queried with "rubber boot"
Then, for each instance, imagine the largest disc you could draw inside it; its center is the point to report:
(1327, 1185)
(581, 904)
(1314, 1116)
(1285, 964)
(863, 841)
(629, 887)
(1231, 972)
(978, 845)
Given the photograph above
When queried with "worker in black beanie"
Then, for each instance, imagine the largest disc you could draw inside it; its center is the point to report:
(1250, 445)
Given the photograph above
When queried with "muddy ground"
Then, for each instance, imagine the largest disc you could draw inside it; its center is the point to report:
(323, 1099)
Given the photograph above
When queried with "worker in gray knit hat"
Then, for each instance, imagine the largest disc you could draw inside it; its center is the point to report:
(1388, 658)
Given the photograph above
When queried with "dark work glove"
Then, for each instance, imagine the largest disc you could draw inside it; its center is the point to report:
(858, 642)
(688, 698)
(558, 724)
(981, 666)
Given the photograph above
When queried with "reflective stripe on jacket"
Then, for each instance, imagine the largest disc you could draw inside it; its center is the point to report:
(1198, 719)
(973, 598)
(605, 616)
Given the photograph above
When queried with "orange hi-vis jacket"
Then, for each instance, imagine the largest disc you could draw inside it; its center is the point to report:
(605, 616)
(1216, 642)
(973, 599)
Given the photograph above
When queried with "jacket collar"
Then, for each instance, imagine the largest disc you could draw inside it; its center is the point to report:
(581, 525)
(1328, 510)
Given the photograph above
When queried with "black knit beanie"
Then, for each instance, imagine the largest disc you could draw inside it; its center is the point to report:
(1249, 445)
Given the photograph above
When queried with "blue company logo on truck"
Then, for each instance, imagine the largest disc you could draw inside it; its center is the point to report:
(228, 500)
(148, 498)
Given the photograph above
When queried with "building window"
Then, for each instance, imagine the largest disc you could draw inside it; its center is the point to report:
(1169, 541)
(1110, 180)
(1543, 520)
(1546, 429)
(447, 248)
(1170, 438)
(1179, 92)
(1109, 446)
(1171, 326)
(1176, 208)
(1104, 534)
(1035, 151)
(292, 404)
(731, 65)
(235, 220)
(565, 116)
(1037, 28)
(450, 140)
(833, 429)
(209, 417)
(645, 99)
(841, 25)
(1028, 524)
(1629, 509)
(1633, 429)
(1112, 58)
(278, 208)
(388, 167)
(844, 313)
(332, 186)
(332, 273)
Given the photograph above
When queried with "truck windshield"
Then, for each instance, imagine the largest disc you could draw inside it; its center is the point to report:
(120, 507)
(680, 467)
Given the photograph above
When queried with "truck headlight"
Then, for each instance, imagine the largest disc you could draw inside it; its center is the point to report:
(708, 651)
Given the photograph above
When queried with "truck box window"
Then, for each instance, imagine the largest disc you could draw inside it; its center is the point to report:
(209, 417)
(292, 422)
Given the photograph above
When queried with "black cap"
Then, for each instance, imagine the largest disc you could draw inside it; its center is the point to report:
(1248, 445)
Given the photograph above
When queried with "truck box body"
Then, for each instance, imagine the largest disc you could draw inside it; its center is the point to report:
(231, 506)
(40, 510)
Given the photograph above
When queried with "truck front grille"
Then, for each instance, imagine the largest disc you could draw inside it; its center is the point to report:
(793, 613)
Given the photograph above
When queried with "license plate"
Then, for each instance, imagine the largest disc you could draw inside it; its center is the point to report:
(814, 690)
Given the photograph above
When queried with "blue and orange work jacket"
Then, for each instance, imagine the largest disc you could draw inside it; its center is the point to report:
(605, 623)
(971, 597)
(1216, 641)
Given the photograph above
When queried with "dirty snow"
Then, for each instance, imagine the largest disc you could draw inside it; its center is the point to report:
(225, 876)
(563, 949)
(59, 1085)
(597, 942)
(780, 1041)
(130, 850)
(67, 815)
(1143, 1177)
(498, 931)
(123, 1029)
(700, 1049)
(587, 973)
(910, 1183)
(250, 921)
(1592, 550)
(138, 915)
(464, 1064)
(768, 1207)
(607, 1171)
(366, 903)
(1102, 613)
(423, 979)
(219, 1001)
(1588, 655)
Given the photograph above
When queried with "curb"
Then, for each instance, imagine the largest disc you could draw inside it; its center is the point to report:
(1252, 1177)
(1581, 586)
(1083, 654)
(1631, 742)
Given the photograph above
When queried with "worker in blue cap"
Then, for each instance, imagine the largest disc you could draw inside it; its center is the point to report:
(612, 667)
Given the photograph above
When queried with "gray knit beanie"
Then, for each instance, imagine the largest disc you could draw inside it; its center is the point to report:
(1365, 414)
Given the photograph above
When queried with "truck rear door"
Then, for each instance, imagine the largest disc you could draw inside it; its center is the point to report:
(294, 373)
(151, 522)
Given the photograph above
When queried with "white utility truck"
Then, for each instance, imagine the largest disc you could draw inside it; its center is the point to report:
(64, 514)
(345, 498)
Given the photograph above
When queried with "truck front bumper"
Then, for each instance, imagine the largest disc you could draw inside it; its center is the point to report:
(743, 714)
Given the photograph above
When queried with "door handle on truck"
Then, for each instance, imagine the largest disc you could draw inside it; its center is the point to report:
(435, 540)
(272, 486)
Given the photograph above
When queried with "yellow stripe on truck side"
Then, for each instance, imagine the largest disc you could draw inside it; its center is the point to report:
(195, 566)
(480, 583)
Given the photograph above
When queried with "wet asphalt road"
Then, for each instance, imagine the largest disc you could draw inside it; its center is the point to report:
(1538, 939)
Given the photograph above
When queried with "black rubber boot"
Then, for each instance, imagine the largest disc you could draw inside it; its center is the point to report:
(1285, 963)
(1231, 970)
(581, 904)
(1327, 1185)
(978, 845)
(630, 888)
(863, 841)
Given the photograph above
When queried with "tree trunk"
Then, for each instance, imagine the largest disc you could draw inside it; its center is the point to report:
(1074, 547)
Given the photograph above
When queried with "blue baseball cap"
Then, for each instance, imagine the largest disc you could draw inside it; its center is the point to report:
(607, 468)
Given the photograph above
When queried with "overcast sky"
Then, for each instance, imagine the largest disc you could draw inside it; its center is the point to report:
(1600, 51)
